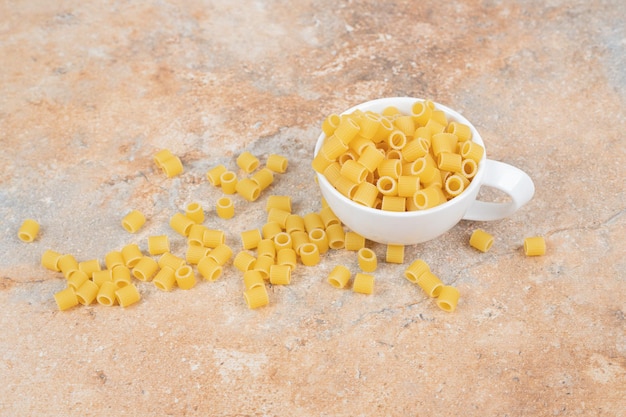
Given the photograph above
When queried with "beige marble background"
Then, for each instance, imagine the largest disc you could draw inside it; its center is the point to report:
(89, 91)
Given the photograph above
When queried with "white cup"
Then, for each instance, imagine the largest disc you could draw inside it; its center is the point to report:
(412, 227)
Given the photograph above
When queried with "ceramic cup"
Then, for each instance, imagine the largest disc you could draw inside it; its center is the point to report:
(412, 227)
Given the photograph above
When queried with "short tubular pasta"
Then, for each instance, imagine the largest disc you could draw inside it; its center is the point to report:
(28, 231)
(102, 276)
(158, 245)
(162, 156)
(271, 229)
(181, 224)
(448, 298)
(209, 268)
(196, 235)
(346, 187)
(253, 279)
(194, 253)
(534, 246)
(370, 158)
(195, 212)
(77, 279)
(106, 294)
(120, 275)
(312, 221)
(454, 185)
(428, 197)
(87, 292)
(225, 208)
(353, 171)
(280, 274)
(278, 215)
(66, 298)
(397, 139)
(288, 257)
(228, 182)
(262, 265)
(394, 254)
(113, 259)
(366, 194)
(353, 241)
(266, 247)
(339, 276)
(171, 260)
(244, 261)
(256, 297)
(214, 175)
(408, 185)
(328, 217)
(347, 130)
(309, 254)
(293, 223)
(330, 124)
(430, 283)
(281, 202)
(367, 260)
(415, 148)
(277, 163)
(172, 166)
(263, 177)
(318, 238)
(387, 185)
(145, 269)
(390, 168)
(393, 203)
(67, 264)
(131, 254)
(336, 236)
(165, 279)
(415, 270)
(322, 161)
(250, 238)
(472, 150)
(212, 238)
(133, 221)
(50, 260)
(462, 131)
(127, 295)
(298, 239)
(89, 267)
(363, 283)
(248, 189)
(282, 240)
(247, 162)
(185, 278)
(449, 161)
(221, 254)
(481, 240)
(469, 167)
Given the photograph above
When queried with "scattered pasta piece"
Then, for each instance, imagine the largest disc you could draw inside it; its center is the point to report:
(448, 298)
(430, 283)
(133, 221)
(247, 162)
(28, 230)
(394, 254)
(339, 276)
(50, 260)
(87, 292)
(252, 279)
(158, 245)
(185, 278)
(415, 270)
(256, 297)
(225, 208)
(363, 283)
(165, 279)
(172, 167)
(145, 269)
(535, 246)
(66, 298)
(106, 294)
(309, 254)
(367, 260)
(214, 175)
(280, 274)
(195, 212)
(277, 163)
(209, 268)
(131, 254)
(481, 240)
(127, 295)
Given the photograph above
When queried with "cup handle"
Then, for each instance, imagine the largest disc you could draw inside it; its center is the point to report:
(509, 179)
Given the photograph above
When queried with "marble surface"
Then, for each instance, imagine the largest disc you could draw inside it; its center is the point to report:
(91, 90)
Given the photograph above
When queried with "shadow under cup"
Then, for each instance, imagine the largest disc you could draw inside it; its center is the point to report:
(412, 227)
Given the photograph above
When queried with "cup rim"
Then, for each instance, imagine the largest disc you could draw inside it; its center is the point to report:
(452, 115)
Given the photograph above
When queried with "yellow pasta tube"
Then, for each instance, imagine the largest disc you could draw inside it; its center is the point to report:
(195, 212)
(332, 173)
(209, 268)
(271, 229)
(454, 185)
(472, 150)
(212, 238)
(353, 171)
(415, 270)
(353, 241)
(366, 194)
(370, 158)
(131, 254)
(358, 145)
(322, 161)
(89, 267)
(66, 298)
(298, 239)
(434, 126)
(369, 125)
(312, 221)
(293, 223)
(113, 259)
(161, 157)
(100, 277)
(76, 279)
(277, 163)
(421, 113)
(367, 260)
(225, 208)
(397, 139)
(50, 260)
(393, 203)
(443, 142)
(282, 240)
(248, 189)
(120, 274)
(171, 260)
(346, 187)
(133, 221)
(469, 167)
(196, 252)
(406, 124)
(87, 292)
(408, 185)
(448, 161)
(106, 294)
(428, 197)
(244, 261)
(28, 230)
(430, 283)
(263, 177)
(387, 185)
(339, 276)
(145, 269)
(425, 169)
(318, 238)
(280, 274)
(266, 247)
(172, 166)
(158, 245)
(262, 265)
(214, 175)
(415, 148)
(67, 264)
(448, 298)
(196, 235)
(330, 124)
(185, 278)
(287, 256)
(329, 217)
(349, 155)
(256, 297)
(278, 215)
(252, 279)
(336, 236)
(347, 130)
(228, 182)
(127, 295)
(309, 254)
(394, 254)
(534, 246)
(250, 238)
(247, 162)
(221, 254)
(390, 168)
(165, 279)
(181, 224)
(363, 283)
(281, 202)
(462, 131)
(481, 240)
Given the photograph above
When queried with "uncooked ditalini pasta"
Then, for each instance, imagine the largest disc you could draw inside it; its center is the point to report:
(454, 185)
(214, 175)
(263, 177)
(165, 279)
(347, 130)
(172, 167)
(50, 260)
(28, 230)
(133, 221)
(328, 217)
(370, 158)
(298, 239)
(68, 265)
(481, 240)
(185, 278)
(366, 194)
(469, 167)
(113, 259)
(353, 171)
(248, 189)
(158, 245)
(282, 202)
(294, 223)
(363, 283)
(415, 270)
(106, 294)
(393, 203)
(390, 168)
(280, 274)
(312, 221)
(449, 161)
(339, 276)
(266, 247)
(430, 283)
(287, 256)
(319, 238)
(247, 162)
(171, 260)
(120, 274)
(66, 298)
(330, 124)
(244, 261)
(277, 163)
(534, 246)
(76, 279)
(473, 151)
(427, 197)
(367, 260)
(145, 269)
(195, 212)
(263, 264)
(336, 236)
(282, 240)
(221, 254)
(253, 279)
(87, 292)
(309, 254)
(100, 277)
(89, 267)
(161, 157)
(271, 229)
(181, 224)
(346, 187)
(256, 297)
(196, 235)
(460, 130)
(127, 295)
(195, 253)
(228, 182)
(443, 142)
(394, 254)
(209, 269)
(448, 298)
(353, 241)
(250, 238)
(408, 185)
(212, 238)
(225, 208)
(278, 215)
